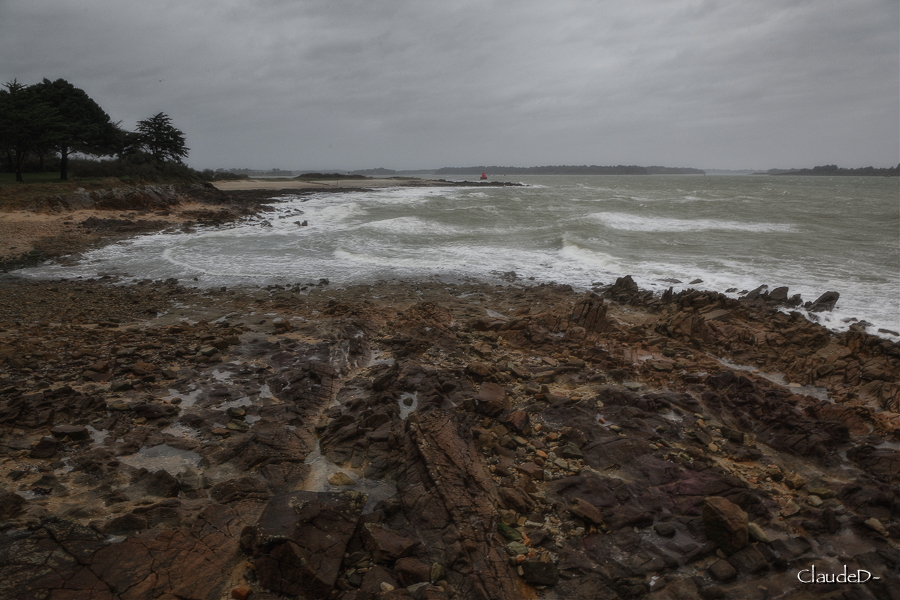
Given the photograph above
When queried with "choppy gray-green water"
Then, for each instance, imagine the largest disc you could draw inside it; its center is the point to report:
(810, 233)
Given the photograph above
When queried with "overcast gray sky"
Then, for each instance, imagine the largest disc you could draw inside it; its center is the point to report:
(300, 84)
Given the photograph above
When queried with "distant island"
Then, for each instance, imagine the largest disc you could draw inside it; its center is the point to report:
(832, 170)
(547, 170)
(572, 170)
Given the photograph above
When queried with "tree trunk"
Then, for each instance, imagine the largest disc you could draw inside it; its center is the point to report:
(63, 163)
(20, 162)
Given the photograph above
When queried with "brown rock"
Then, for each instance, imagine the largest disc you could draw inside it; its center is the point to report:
(125, 524)
(492, 399)
(411, 570)
(300, 541)
(384, 544)
(725, 523)
(73, 432)
(532, 470)
(242, 592)
(748, 560)
(10, 505)
(722, 571)
(45, 448)
(587, 511)
(517, 419)
(455, 509)
(479, 369)
(540, 573)
(377, 579)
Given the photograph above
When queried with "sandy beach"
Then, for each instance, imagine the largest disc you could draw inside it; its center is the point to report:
(263, 184)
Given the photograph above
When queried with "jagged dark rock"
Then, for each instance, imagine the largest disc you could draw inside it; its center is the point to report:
(597, 449)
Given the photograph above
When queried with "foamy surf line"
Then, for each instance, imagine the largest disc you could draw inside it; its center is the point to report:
(636, 222)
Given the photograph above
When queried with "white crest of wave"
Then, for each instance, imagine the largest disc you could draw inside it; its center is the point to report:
(576, 251)
(411, 225)
(636, 222)
(383, 261)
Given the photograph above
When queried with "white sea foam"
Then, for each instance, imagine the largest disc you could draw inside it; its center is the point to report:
(555, 232)
(646, 223)
(577, 251)
(411, 225)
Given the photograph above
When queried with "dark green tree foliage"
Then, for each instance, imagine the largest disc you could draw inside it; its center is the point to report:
(160, 139)
(82, 125)
(28, 123)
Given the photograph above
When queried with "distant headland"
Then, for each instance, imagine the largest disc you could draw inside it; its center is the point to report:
(552, 170)
(833, 170)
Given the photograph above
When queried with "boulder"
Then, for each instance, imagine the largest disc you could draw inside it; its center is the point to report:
(10, 505)
(587, 511)
(76, 433)
(825, 302)
(384, 544)
(492, 399)
(300, 539)
(45, 448)
(725, 524)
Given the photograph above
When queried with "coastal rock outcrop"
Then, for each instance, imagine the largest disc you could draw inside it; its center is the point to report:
(405, 441)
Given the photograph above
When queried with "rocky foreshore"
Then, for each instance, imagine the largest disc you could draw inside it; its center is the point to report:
(430, 441)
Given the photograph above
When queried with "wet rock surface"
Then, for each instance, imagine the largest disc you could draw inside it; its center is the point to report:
(421, 440)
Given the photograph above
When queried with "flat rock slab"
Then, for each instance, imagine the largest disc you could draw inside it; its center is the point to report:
(62, 559)
(301, 538)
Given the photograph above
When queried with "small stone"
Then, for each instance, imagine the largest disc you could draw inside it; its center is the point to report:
(120, 386)
(794, 481)
(509, 533)
(665, 529)
(790, 509)
(386, 587)
(722, 571)
(822, 492)
(587, 511)
(340, 478)
(242, 592)
(572, 451)
(876, 526)
(814, 500)
(756, 532)
(235, 425)
(516, 548)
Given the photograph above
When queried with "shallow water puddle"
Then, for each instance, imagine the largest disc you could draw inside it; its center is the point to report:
(164, 457)
(408, 403)
(187, 399)
(97, 435)
(181, 431)
(809, 390)
(321, 469)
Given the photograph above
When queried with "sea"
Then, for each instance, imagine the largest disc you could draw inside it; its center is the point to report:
(729, 233)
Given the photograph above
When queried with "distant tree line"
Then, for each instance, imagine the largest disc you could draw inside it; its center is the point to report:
(51, 121)
(836, 170)
(572, 170)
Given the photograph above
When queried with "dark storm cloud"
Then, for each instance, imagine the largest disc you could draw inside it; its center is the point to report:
(355, 84)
